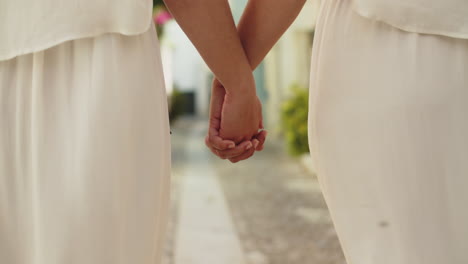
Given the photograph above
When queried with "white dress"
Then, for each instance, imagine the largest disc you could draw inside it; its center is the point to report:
(440, 17)
(389, 133)
(84, 152)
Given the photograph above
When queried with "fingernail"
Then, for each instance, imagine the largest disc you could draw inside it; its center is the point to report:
(231, 145)
(249, 146)
(256, 144)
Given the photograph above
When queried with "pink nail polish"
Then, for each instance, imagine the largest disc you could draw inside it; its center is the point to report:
(256, 144)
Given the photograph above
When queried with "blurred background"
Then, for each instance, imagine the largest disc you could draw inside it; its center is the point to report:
(268, 209)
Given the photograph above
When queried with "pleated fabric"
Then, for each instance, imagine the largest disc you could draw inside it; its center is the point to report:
(84, 153)
(389, 134)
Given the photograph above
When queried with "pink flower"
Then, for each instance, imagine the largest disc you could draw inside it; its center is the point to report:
(162, 17)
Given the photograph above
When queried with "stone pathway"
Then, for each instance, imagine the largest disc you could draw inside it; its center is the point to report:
(279, 211)
(267, 210)
(205, 233)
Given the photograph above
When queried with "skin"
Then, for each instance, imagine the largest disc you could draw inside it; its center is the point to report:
(262, 24)
(210, 27)
(232, 152)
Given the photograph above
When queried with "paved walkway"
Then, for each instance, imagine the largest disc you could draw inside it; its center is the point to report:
(204, 233)
(267, 210)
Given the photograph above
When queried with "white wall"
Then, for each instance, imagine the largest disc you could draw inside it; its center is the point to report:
(186, 62)
(184, 67)
(289, 62)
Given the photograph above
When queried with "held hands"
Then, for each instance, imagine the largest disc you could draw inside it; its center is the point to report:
(235, 120)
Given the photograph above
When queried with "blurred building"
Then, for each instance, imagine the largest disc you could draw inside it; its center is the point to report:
(184, 69)
(288, 63)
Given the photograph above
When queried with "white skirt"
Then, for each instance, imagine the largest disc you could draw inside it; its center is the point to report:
(389, 133)
(84, 153)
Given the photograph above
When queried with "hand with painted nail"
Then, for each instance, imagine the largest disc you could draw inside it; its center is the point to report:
(227, 148)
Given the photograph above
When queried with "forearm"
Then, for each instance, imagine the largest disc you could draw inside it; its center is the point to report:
(211, 28)
(263, 23)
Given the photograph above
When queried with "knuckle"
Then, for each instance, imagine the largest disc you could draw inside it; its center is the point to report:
(210, 140)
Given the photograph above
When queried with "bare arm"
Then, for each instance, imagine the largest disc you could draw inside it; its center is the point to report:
(210, 26)
(263, 23)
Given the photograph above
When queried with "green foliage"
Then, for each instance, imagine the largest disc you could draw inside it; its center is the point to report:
(158, 2)
(159, 5)
(294, 113)
(160, 31)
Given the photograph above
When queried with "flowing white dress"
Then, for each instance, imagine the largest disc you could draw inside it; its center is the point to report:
(84, 152)
(389, 133)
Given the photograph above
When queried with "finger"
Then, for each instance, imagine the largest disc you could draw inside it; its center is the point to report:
(217, 99)
(215, 152)
(230, 153)
(261, 137)
(216, 104)
(218, 143)
(244, 156)
(255, 143)
(239, 150)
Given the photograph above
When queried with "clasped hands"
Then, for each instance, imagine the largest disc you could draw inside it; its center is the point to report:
(235, 124)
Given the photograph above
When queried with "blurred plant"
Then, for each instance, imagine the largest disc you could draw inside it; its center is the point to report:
(160, 15)
(177, 103)
(158, 3)
(294, 113)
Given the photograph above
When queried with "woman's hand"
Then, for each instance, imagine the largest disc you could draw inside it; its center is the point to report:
(241, 114)
(227, 149)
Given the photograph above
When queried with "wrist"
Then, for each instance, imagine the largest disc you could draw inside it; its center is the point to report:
(244, 85)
